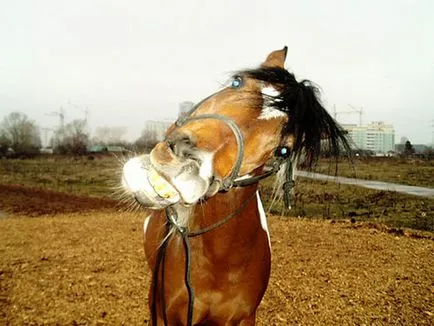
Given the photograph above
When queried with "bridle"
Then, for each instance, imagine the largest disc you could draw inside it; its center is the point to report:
(228, 182)
(282, 155)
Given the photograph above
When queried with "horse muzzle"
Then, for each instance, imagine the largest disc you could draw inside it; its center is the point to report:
(146, 185)
(156, 184)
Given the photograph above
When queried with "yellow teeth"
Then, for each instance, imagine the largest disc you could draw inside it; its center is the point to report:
(160, 185)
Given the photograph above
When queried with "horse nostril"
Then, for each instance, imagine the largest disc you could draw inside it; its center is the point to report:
(180, 143)
(186, 140)
(171, 146)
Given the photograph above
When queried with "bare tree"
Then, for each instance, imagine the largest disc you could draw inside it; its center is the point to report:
(72, 139)
(4, 144)
(147, 140)
(408, 148)
(109, 135)
(429, 153)
(20, 133)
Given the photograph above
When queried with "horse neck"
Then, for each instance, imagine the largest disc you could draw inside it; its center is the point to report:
(217, 208)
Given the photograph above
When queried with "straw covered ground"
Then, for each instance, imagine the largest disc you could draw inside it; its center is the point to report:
(80, 262)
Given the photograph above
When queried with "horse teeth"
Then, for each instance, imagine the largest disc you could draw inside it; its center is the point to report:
(160, 185)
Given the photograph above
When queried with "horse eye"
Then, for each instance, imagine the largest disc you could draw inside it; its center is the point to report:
(237, 82)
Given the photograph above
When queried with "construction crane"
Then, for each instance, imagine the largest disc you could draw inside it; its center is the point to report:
(86, 110)
(60, 131)
(61, 115)
(354, 110)
(432, 139)
(46, 130)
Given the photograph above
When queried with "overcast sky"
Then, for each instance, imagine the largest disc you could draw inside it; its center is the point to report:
(132, 61)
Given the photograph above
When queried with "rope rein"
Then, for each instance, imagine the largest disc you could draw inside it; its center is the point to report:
(172, 220)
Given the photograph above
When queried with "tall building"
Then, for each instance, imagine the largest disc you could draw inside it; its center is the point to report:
(155, 130)
(376, 136)
(185, 107)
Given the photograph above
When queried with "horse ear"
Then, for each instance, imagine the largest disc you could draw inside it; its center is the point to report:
(276, 58)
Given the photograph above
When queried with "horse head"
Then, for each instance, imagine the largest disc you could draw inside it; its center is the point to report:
(232, 134)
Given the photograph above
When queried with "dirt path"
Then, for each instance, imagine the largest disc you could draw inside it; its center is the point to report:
(87, 268)
(372, 184)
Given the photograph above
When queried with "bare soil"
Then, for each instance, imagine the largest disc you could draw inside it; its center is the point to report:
(36, 201)
(74, 260)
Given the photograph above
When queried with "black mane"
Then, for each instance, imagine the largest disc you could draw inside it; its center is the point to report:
(308, 122)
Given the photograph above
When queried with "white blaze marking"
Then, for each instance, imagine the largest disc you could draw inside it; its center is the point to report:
(268, 112)
(263, 217)
(270, 91)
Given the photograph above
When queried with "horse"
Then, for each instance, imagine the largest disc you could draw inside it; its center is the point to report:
(207, 240)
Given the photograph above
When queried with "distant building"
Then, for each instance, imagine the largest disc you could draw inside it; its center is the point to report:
(95, 149)
(185, 107)
(377, 137)
(156, 130)
(419, 149)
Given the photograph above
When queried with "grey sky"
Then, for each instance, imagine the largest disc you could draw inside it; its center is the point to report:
(132, 61)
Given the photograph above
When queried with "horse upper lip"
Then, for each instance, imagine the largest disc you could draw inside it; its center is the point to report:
(167, 177)
(189, 168)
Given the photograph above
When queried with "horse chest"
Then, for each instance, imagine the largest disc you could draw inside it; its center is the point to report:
(229, 277)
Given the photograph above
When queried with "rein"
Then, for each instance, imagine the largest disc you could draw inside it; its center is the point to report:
(282, 155)
(172, 220)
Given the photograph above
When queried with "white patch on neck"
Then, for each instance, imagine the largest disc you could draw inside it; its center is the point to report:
(145, 227)
(145, 224)
(263, 217)
(268, 111)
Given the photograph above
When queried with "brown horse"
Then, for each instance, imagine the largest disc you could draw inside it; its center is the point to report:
(207, 239)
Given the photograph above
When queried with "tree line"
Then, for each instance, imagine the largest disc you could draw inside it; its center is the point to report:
(20, 136)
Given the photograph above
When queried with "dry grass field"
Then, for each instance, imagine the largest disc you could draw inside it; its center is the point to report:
(70, 255)
(312, 199)
(86, 267)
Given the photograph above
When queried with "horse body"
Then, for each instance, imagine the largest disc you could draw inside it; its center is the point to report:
(207, 241)
(230, 268)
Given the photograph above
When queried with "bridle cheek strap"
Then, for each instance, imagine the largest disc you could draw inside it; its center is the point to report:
(282, 155)
(227, 183)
